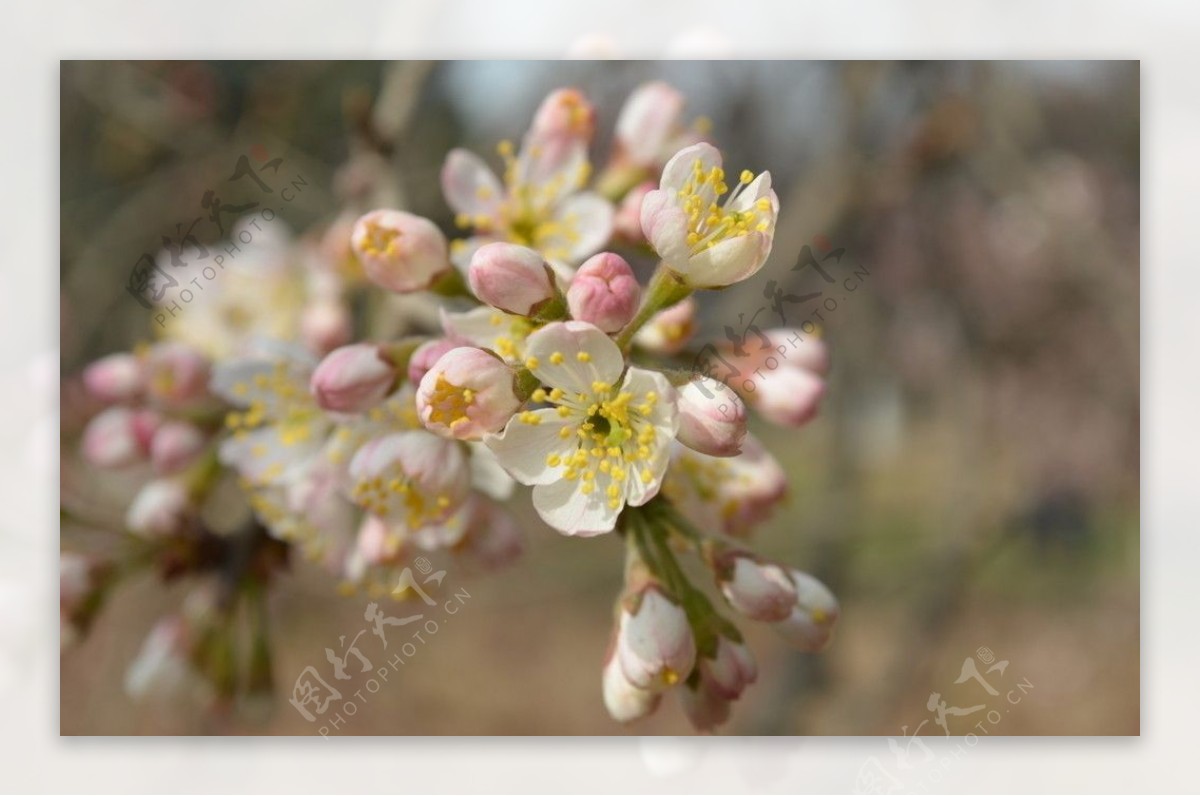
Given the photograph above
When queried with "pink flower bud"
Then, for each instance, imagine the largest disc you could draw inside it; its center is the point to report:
(648, 121)
(627, 222)
(712, 419)
(176, 374)
(427, 355)
(159, 509)
(803, 350)
(763, 592)
(175, 445)
(352, 379)
(704, 707)
(604, 292)
(116, 437)
(325, 325)
(145, 425)
(564, 113)
(731, 670)
(787, 396)
(116, 377)
(655, 646)
(816, 611)
(466, 394)
(400, 252)
(625, 701)
(511, 278)
(671, 330)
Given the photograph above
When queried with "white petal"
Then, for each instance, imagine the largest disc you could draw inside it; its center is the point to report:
(469, 185)
(665, 226)
(446, 533)
(487, 475)
(647, 119)
(571, 339)
(262, 457)
(489, 328)
(552, 168)
(665, 419)
(590, 217)
(680, 167)
(522, 448)
(565, 508)
(729, 261)
(759, 187)
(463, 249)
(236, 382)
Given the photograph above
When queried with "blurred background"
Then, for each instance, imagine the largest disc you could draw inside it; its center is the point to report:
(971, 482)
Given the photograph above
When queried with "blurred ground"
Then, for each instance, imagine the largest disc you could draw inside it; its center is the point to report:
(972, 481)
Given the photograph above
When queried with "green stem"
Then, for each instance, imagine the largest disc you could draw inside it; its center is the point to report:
(665, 289)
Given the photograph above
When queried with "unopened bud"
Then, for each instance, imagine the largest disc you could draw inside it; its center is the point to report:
(400, 252)
(712, 418)
(352, 379)
(175, 445)
(810, 625)
(654, 640)
(511, 278)
(159, 509)
(116, 377)
(604, 292)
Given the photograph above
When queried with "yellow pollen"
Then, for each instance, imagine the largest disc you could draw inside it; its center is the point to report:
(532, 363)
(380, 241)
(583, 356)
(557, 358)
(449, 402)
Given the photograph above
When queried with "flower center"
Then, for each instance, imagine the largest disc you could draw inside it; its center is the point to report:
(449, 403)
(293, 417)
(527, 217)
(614, 441)
(710, 222)
(384, 496)
(381, 241)
(506, 344)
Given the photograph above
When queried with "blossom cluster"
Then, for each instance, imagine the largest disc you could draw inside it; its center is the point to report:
(545, 362)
